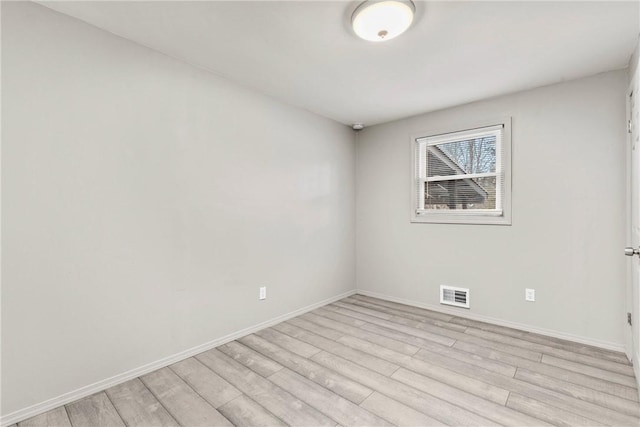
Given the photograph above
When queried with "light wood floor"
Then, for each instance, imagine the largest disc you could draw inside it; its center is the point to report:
(368, 362)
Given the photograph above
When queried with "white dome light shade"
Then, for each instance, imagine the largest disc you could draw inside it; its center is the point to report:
(379, 21)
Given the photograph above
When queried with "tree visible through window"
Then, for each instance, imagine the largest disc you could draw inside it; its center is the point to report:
(461, 173)
(474, 156)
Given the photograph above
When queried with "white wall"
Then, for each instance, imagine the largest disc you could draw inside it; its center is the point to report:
(568, 227)
(144, 203)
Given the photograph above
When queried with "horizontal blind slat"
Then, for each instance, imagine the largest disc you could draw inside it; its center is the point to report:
(459, 136)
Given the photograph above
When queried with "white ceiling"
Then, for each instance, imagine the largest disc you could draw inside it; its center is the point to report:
(304, 53)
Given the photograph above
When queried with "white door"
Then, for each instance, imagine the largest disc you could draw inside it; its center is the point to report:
(633, 292)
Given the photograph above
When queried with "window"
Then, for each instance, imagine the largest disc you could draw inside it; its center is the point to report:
(463, 176)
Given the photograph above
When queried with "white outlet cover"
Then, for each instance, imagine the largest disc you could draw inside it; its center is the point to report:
(530, 294)
(263, 292)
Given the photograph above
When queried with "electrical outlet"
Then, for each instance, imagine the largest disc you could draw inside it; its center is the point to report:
(530, 294)
(263, 292)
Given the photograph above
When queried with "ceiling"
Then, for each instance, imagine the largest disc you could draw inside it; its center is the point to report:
(305, 54)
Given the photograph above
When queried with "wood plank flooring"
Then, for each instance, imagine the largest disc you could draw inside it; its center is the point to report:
(363, 361)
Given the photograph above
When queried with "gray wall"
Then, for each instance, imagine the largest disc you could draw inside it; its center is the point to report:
(144, 203)
(568, 227)
(633, 62)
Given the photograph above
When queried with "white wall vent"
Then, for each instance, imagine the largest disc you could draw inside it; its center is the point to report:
(454, 296)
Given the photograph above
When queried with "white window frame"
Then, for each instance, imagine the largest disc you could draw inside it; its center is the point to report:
(463, 216)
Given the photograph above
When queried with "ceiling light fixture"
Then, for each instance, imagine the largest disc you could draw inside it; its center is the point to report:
(382, 20)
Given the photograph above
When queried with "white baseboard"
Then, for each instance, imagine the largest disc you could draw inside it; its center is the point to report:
(39, 408)
(500, 322)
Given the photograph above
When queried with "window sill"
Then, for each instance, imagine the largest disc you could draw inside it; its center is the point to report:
(447, 218)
